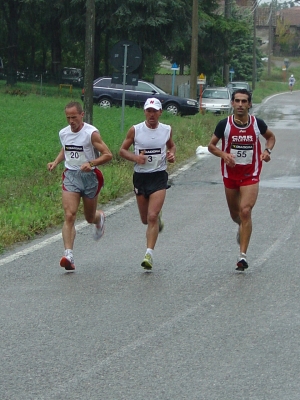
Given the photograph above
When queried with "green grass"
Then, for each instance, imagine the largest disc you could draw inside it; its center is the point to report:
(30, 196)
(267, 88)
(277, 80)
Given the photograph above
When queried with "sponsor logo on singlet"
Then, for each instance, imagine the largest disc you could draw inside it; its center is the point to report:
(247, 138)
(71, 147)
(242, 146)
(150, 151)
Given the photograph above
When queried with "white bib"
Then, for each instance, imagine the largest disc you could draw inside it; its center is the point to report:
(243, 153)
(153, 159)
(74, 155)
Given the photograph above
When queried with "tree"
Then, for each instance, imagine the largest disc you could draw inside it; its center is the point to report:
(11, 11)
(286, 39)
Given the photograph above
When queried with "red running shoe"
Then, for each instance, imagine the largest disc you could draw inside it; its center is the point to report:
(67, 263)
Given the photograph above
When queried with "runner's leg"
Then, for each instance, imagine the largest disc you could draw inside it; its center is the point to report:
(92, 215)
(70, 202)
(156, 201)
(233, 201)
(248, 197)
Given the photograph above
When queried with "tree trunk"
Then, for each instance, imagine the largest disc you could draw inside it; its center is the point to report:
(11, 14)
(56, 48)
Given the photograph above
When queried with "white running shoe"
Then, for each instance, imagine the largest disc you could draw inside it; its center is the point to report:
(147, 262)
(242, 262)
(99, 229)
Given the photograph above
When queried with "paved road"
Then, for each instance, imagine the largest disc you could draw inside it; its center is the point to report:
(193, 328)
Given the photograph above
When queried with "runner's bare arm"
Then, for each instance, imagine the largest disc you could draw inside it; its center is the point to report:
(60, 157)
(227, 157)
(129, 155)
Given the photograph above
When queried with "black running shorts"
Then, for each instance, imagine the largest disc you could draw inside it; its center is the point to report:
(147, 183)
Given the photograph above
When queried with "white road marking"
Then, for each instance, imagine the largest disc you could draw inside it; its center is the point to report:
(165, 328)
(111, 210)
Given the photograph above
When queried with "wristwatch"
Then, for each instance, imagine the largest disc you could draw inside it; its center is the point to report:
(91, 164)
(268, 150)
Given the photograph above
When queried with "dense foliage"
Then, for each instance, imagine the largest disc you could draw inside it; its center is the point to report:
(42, 36)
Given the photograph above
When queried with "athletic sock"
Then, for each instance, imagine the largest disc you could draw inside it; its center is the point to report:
(149, 251)
(69, 252)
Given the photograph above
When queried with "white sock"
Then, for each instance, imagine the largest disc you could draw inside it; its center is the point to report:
(150, 251)
(69, 252)
(243, 255)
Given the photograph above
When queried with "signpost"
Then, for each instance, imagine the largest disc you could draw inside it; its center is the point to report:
(284, 68)
(231, 72)
(201, 81)
(174, 68)
(284, 74)
(125, 55)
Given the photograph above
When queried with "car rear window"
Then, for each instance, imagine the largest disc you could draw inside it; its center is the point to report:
(144, 87)
(215, 94)
(240, 85)
(103, 83)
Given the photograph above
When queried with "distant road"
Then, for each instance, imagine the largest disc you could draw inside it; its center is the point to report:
(193, 328)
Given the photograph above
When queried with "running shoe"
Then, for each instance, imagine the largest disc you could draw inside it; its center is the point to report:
(147, 261)
(241, 264)
(99, 230)
(160, 222)
(67, 262)
(238, 239)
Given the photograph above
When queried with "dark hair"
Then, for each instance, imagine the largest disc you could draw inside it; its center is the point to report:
(75, 104)
(242, 91)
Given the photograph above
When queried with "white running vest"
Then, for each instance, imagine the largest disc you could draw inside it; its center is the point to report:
(153, 143)
(78, 146)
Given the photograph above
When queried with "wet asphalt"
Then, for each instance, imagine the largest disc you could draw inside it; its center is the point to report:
(193, 328)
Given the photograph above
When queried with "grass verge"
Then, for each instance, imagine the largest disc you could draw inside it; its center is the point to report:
(30, 196)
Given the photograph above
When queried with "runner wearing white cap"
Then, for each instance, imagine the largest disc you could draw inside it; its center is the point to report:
(153, 147)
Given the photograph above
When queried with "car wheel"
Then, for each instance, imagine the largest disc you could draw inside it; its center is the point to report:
(172, 108)
(105, 102)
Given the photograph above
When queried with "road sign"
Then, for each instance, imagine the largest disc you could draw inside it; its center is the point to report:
(133, 59)
(131, 79)
(175, 67)
(201, 79)
(125, 56)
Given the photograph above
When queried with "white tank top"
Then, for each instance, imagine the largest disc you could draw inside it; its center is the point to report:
(153, 143)
(78, 146)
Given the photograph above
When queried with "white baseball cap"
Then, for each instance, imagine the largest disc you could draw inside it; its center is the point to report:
(153, 103)
(292, 76)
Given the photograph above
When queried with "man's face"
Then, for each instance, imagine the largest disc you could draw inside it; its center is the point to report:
(74, 118)
(152, 116)
(240, 104)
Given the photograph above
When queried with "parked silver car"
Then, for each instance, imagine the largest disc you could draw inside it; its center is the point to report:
(217, 100)
(239, 85)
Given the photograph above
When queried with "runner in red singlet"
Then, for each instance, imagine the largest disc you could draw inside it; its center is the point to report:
(241, 164)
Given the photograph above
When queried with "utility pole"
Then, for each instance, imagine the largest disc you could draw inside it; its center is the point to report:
(227, 13)
(194, 51)
(270, 46)
(254, 45)
(89, 60)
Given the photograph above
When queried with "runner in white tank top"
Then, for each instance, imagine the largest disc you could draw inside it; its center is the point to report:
(82, 151)
(153, 148)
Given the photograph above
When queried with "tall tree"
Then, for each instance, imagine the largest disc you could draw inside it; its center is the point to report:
(12, 10)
